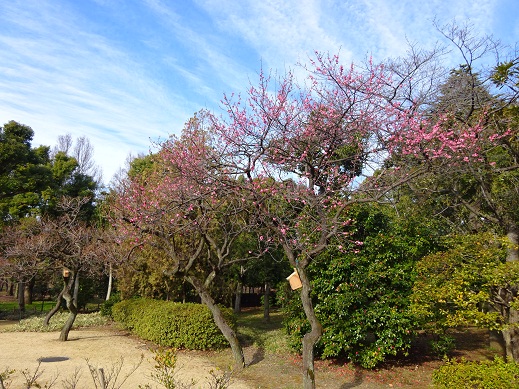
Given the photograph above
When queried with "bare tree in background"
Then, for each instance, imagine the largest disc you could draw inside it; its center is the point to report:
(82, 151)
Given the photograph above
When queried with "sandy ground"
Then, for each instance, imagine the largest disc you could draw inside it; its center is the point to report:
(103, 348)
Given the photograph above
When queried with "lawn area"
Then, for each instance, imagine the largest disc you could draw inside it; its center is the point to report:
(9, 307)
(41, 306)
(255, 331)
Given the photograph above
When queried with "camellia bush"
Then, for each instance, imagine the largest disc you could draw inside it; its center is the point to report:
(362, 294)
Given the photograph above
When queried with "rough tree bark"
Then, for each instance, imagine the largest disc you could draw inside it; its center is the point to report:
(56, 307)
(266, 303)
(69, 298)
(510, 314)
(312, 337)
(227, 331)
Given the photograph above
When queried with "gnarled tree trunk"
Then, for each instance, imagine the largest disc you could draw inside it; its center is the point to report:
(71, 305)
(227, 331)
(312, 337)
(55, 309)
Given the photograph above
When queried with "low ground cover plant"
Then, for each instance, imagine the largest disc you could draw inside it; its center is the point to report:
(35, 323)
(496, 374)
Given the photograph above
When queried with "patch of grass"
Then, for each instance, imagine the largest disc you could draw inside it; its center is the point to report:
(10, 306)
(253, 330)
(9, 309)
(35, 323)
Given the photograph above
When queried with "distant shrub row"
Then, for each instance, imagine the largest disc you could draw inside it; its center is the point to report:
(496, 374)
(180, 325)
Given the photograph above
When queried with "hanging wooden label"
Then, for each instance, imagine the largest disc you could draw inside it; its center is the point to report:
(295, 281)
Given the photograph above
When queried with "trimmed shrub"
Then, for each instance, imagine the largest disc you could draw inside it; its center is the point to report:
(496, 374)
(106, 307)
(179, 325)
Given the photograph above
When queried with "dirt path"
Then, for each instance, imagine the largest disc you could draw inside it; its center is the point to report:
(103, 348)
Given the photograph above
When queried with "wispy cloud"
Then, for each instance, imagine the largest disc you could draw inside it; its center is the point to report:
(286, 31)
(59, 76)
(210, 53)
(281, 32)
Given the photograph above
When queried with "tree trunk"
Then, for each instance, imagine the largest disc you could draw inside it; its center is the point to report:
(29, 287)
(69, 298)
(312, 337)
(110, 276)
(513, 250)
(76, 289)
(237, 300)
(21, 296)
(266, 303)
(511, 315)
(511, 336)
(56, 307)
(227, 331)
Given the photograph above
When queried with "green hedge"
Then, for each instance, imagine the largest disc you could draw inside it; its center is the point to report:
(106, 306)
(496, 374)
(179, 325)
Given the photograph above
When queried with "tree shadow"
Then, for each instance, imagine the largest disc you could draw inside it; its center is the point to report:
(98, 336)
(257, 357)
(357, 380)
(52, 359)
(248, 342)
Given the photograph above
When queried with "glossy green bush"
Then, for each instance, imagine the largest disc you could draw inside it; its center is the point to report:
(361, 293)
(179, 325)
(496, 374)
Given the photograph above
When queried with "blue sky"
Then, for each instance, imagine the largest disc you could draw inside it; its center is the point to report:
(124, 72)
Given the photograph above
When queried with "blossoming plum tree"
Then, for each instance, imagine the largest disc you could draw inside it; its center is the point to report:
(320, 148)
(187, 207)
(312, 148)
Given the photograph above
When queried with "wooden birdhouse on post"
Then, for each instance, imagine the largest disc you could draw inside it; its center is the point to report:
(294, 280)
